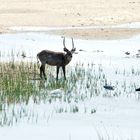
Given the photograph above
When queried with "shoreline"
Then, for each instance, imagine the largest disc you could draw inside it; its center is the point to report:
(97, 34)
(121, 31)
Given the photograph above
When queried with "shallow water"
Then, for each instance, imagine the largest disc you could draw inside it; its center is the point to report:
(33, 42)
(110, 54)
(105, 113)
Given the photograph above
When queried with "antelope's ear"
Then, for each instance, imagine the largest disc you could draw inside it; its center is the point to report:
(73, 50)
(65, 49)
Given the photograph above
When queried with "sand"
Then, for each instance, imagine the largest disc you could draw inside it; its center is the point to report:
(72, 13)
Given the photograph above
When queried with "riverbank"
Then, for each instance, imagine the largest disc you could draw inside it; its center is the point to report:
(71, 13)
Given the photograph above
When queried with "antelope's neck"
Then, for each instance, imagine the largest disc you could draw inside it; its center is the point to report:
(67, 59)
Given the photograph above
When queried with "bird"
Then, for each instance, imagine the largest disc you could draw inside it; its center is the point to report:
(137, 55)
(57, 93)
(127, 53)
(137, 89)
(23, 55)
(109, 87)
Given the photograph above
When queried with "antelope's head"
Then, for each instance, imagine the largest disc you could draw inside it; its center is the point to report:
(69, 51)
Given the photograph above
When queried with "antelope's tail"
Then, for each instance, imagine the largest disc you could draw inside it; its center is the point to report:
(37, 57)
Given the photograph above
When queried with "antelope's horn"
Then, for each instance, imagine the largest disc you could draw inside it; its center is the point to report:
(72, 43)
(64, 42)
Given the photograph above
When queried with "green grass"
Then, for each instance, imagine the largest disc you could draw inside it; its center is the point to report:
(20, 82)
(16, 85)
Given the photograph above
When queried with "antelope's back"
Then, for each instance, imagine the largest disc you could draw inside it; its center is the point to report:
(51, 57)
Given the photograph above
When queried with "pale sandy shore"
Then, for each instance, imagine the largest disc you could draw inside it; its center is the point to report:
(72, 13)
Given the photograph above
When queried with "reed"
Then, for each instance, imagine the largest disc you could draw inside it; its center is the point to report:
(20, 83)
(16, 81)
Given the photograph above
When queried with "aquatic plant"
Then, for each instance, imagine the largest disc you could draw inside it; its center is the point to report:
(21, 87)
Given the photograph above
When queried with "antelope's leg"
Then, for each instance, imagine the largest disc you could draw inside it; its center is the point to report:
(63, 68)
(43, 70)
(57, 72)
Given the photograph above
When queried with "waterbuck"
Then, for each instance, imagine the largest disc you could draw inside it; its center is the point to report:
(58, 59)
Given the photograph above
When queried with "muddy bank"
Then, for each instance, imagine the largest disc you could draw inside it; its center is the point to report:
(72, 13)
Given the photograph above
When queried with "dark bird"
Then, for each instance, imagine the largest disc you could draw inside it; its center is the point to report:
(109, 87)
(127, 53)
(138, 89)
(137, 55)
(23, 55)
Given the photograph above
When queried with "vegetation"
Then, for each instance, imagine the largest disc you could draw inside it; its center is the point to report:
(21, 87)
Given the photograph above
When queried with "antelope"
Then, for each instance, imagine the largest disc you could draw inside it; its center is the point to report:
(58, 59)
